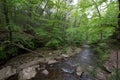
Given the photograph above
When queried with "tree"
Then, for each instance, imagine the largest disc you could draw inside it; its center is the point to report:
(118, 29)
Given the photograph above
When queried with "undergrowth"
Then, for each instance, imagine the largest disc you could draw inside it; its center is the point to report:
(102, 51)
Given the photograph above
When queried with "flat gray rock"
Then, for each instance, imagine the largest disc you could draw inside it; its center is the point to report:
(7, 72)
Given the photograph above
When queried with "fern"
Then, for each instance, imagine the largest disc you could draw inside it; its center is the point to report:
(53, 43)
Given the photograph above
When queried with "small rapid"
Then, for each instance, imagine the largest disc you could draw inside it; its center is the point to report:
(84, 59)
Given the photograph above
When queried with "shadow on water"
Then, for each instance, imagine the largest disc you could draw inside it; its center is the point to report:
(66, 69)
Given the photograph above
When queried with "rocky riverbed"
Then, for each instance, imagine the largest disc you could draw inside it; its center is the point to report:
(75, 64)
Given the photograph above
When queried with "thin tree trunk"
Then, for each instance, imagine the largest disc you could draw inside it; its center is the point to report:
(7, 19)
(117, 74)
(1, 13)
(118, 38)
(118, 29)
(15, 15)
(99, 14)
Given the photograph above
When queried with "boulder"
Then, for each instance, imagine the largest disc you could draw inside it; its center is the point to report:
(27, 73)
(7, 72)
(101, 75)
(78, 70)
(107, 67)
(65, 55)
(32, 63)
(52, 61)
(45, 72)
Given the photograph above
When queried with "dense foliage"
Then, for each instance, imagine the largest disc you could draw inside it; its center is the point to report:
(54, 23)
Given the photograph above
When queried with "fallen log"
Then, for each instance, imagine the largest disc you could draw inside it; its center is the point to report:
(22, 47)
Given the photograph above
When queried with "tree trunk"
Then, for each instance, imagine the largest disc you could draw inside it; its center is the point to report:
(118, 38)
(118, 29)
(99, 15)
(7, 19)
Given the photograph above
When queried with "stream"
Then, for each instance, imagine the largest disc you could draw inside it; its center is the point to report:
(85, 61)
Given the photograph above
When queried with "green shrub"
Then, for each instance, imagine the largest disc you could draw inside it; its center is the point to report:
(10, 50)
(54, 44)
(115, 76)
(3, 55)
(23, 40)
(102, 51)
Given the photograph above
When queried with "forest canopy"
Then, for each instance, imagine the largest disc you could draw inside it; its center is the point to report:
(55, 23)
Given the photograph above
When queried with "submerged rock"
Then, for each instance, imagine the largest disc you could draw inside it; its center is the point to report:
(70, 77)
(85, 76)
(67, 67)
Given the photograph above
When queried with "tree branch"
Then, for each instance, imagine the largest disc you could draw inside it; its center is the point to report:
(22, 47)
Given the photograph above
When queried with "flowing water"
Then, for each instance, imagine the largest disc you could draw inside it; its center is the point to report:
(66, 69)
